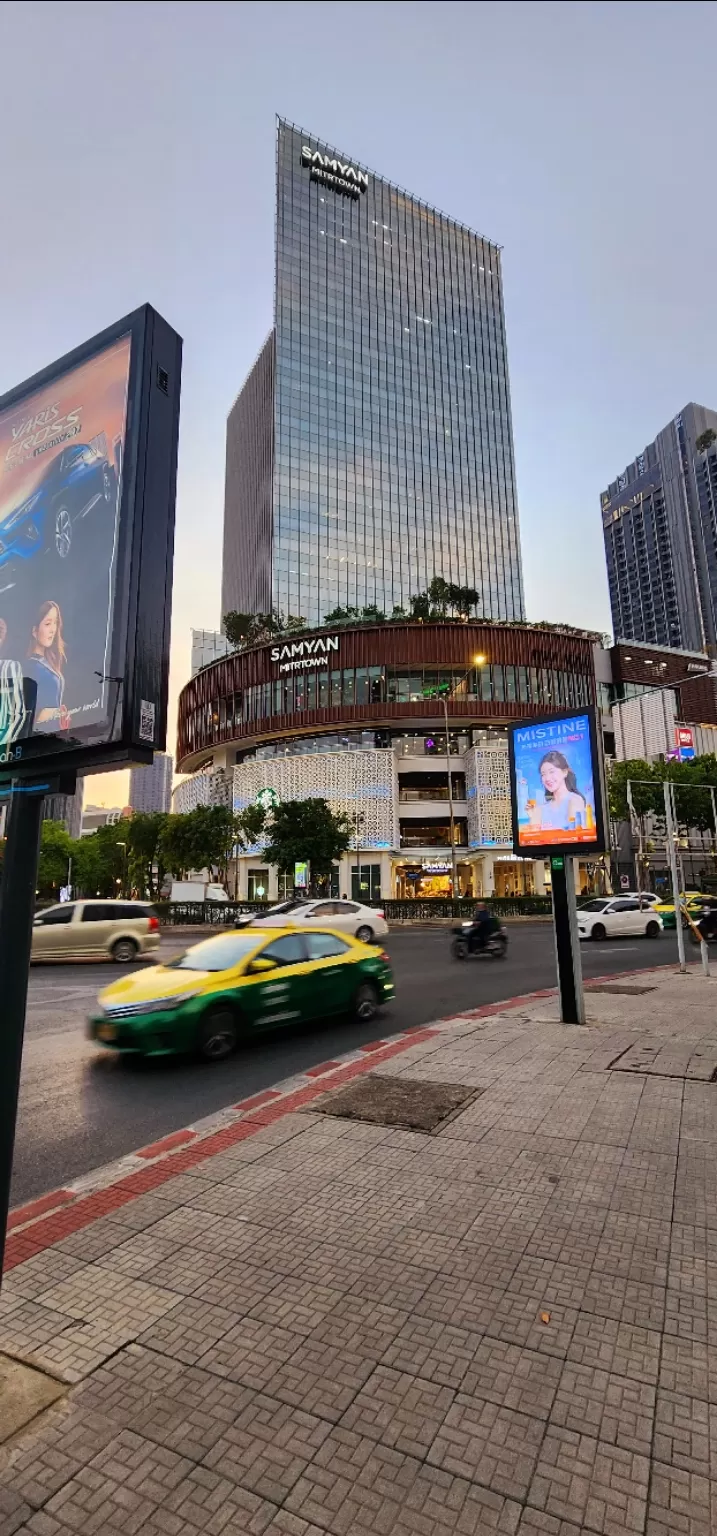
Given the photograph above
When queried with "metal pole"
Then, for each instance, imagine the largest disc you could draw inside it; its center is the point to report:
(672, 855)
(567, 942)
(17, 907)
(454, 875)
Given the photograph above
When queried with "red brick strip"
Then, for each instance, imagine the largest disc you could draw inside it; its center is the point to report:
(40, 1207)
(326, 1066)
(167, 1144)
(258, 1099)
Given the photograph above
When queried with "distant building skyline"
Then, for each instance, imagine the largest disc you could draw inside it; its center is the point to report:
(150, 787)
(370, 447)
(660, 531)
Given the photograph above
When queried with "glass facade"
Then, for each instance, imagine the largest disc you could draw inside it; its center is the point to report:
(546, 687)
(392, 439)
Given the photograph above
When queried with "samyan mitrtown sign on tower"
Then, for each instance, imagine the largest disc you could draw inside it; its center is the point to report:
(300, 655)
(334, 173)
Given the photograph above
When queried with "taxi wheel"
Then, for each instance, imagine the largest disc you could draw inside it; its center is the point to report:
(124, 951)
(366, 1003)
(218, 1035)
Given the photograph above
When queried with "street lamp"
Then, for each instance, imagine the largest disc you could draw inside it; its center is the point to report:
(478, 661)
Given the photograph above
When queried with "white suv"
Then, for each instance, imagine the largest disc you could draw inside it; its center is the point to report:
(613, 916)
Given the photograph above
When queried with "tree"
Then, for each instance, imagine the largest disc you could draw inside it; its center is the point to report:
(705, 440)
(342, 616)
(246, 629)
(463, 599)
(56, 847)
(144, 835)
(439, 597)
(99, 862)
(307, 831)
(421, 606)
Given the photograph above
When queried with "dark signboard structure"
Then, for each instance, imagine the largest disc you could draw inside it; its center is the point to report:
(88, 460)
(557, 792)
(88, 452)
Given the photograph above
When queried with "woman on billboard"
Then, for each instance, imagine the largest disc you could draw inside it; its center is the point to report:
(45, 663)
(564, 807)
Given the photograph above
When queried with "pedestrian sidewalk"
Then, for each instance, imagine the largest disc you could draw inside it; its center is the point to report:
(308, 1325)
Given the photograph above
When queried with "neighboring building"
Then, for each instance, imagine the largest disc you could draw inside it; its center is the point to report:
(208, 645)
(371, 445)
(66, 808)
(96, 816)
(356, 717)
(660, 530)
(150, 787)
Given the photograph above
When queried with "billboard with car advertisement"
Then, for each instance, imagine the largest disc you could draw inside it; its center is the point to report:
(556, 781)
(87, 483)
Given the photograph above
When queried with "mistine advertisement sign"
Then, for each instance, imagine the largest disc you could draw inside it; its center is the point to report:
(334, 173)
(301, 655)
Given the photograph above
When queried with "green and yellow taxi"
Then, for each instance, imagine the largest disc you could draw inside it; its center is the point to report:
(693, 901)
(234, 985)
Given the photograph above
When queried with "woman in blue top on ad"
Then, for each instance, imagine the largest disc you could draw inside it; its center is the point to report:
(564, 807)
(45, 663)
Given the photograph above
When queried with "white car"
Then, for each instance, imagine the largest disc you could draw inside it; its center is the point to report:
(347, 916)
(648, 897)
(613, 916)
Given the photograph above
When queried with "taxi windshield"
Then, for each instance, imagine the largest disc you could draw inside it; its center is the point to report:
(219, 954)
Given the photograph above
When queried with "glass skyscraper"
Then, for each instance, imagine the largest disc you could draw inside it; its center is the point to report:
(371, 445)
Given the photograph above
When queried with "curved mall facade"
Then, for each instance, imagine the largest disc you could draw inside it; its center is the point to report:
(357, 715)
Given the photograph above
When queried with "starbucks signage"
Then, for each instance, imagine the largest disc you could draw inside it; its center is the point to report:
(303, 655)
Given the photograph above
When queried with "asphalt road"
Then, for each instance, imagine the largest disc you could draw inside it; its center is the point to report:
(81, 1106)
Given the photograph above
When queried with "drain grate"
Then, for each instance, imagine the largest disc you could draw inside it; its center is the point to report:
(616, 986)
(401, 1102)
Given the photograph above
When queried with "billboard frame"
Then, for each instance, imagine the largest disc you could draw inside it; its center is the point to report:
(571, 848)
(138, 676)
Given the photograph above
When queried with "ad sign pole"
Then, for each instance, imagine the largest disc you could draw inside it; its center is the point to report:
(557, 790)
(567, 942)
(17, 908)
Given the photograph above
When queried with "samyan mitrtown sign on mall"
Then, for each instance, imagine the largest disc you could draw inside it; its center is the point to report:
(333, 173)
(300, 655)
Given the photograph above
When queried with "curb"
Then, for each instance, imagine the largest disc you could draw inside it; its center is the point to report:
(42, 1222)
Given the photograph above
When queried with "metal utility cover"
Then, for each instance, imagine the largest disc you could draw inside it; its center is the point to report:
(616, 986)
(401, 1102)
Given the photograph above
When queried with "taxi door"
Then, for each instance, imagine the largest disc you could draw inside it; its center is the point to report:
(277, 996)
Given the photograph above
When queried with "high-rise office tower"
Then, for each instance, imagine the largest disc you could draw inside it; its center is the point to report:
(150, 787)
(370, 447)
(660, 528)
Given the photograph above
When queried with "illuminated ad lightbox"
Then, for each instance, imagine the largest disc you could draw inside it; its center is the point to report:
(557, 785)
(88, 452)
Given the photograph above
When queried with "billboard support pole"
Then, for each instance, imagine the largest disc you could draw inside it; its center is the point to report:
(672, 855)
(17, 908)
(567, 942)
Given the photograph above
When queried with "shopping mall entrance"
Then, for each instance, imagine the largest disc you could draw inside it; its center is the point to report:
(431, 878)
(514, 877)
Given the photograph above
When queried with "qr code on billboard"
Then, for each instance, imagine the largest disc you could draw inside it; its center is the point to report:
(146, 721)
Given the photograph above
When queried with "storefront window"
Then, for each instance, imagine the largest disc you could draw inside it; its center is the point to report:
(366, 884)
(258, 884)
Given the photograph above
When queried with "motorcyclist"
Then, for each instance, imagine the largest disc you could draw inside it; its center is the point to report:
(484, 924)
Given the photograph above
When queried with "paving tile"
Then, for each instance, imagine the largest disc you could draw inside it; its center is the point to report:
(13, 1512)
(321, 1378)
(29, 1324)
(360, 1326)
(616, 1347)
(189, 1330)
(681, 1503)
(689, 1367)
(98, 1292)
(298, 1305)
(493, 1446)
(522, 1380)
(599, 1487)
(523, 1320)
(206, 1504)
(32, 1279)
(400, 1410)
(613, 1408)
(686, 1433)
(439, 1352)
(535, 1522)
(120, 1488)
(267, 1447)
(51, 1451)
(251, 1352)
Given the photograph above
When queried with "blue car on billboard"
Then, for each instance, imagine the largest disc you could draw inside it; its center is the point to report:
(74, 482)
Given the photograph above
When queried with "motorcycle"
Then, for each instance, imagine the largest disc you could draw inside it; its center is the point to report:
(467, 942)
